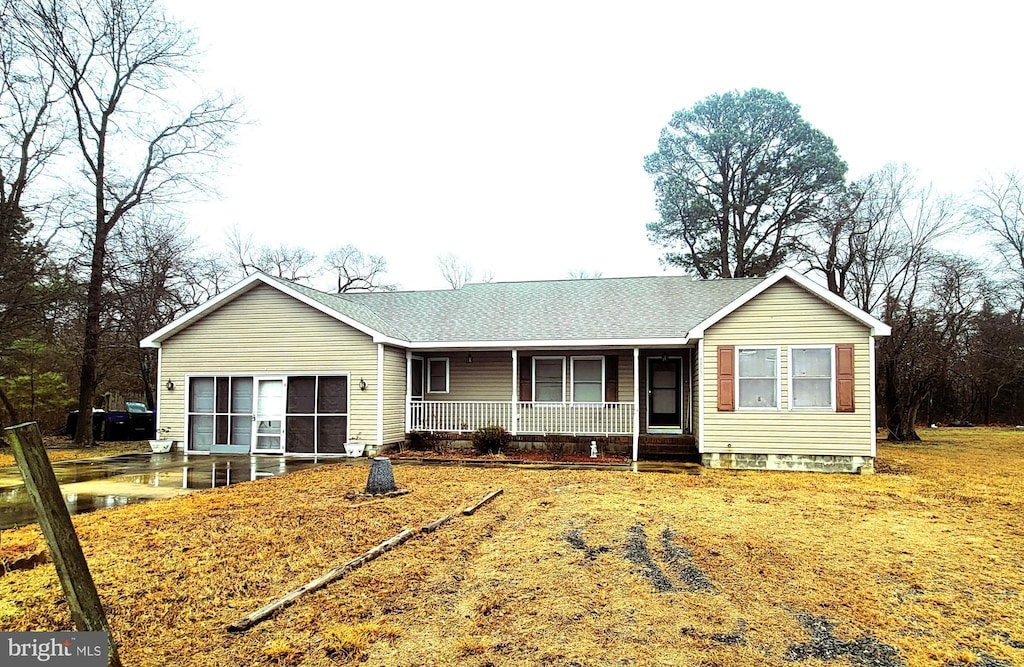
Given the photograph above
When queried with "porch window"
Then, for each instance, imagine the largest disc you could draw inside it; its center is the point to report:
(549, 379)
(219, 412)
(757, 377)
(588, 379)
(316, 414)
(437, 376)
(811, 372)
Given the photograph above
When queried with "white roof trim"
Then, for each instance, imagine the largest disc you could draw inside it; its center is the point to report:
(624, 343)
(246, 285)
(878, 328)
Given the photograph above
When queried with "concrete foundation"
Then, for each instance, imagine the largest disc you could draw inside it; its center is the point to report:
(863, 465)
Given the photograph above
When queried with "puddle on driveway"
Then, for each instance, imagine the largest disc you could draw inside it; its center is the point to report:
(93, 484)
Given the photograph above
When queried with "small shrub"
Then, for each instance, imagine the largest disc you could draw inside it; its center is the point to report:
(491, 439)
(424, 441)
(559, 445)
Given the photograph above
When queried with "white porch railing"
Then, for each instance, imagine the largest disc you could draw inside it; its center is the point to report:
(533, 418)
(459, 415)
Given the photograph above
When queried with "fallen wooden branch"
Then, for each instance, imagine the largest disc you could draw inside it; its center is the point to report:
(434, 525)
(338, 572)
(469, 510)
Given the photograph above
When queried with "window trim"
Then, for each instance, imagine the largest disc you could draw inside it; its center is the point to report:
(430, 375)
(533, 380)
(572, 377)
(739, 378)
(831, 407)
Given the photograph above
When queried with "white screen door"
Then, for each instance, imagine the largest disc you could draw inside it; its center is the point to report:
(267, 434)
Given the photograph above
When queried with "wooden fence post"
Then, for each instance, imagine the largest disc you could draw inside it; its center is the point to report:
(61, 538)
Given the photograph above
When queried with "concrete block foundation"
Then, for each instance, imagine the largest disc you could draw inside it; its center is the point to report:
(798, 462)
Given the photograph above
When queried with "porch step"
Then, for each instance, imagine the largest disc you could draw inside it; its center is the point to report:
(668, 448)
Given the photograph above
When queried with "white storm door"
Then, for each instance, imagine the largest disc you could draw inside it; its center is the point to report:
(268, 435)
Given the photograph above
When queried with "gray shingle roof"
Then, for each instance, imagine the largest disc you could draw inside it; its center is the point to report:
(554, 310)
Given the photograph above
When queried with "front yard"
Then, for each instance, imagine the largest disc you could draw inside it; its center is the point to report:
(920, 565)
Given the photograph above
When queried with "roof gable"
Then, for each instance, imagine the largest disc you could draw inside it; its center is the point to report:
(251, 282)
(877, 327)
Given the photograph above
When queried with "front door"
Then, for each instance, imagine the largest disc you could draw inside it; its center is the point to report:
(268, 437)
(664, 404)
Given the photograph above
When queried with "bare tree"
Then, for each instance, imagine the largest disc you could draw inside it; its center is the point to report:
(577, 274)
(875, 237)
(356, 271)
(998, 211)
(455, 270)
(115, 62)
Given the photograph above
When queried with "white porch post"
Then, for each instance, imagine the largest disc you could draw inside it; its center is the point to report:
(380, 394)
(515, 393)
(636, 403)
(408, 390)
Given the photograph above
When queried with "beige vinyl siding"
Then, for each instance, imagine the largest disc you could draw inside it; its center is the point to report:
(489, 376)
(265, 332)
(394, 394)
(786, 315)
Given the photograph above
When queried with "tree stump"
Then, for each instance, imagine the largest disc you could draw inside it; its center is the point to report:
(381, 479)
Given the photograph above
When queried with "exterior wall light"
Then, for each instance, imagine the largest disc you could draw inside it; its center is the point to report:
(170, 385)
(362, 384)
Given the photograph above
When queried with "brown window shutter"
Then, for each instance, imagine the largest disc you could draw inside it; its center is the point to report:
(611, 378)
(526, 379)
(844, 378)
(726, 378)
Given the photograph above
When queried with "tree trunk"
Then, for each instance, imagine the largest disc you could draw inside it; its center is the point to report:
(91, 339)
(12, 412)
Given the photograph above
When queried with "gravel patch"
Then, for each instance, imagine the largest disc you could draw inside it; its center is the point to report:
(681, 560)
(1008, 640)
(733, 638)
(638, 553)
(865, 651)
(575, 539)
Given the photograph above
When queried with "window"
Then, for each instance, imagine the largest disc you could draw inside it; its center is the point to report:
(437, 376)
(416, 379)
(588, 379)
(549, 379)
(316, 414)
(811, 371)
(219, 412)
(757, 377)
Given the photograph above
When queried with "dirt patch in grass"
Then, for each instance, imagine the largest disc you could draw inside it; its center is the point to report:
(63, 449)
(925, 564)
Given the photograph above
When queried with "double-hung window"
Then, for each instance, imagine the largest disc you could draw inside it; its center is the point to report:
(757, 377)
(549, 379)
(811, 372)
(437, 376)
(588, 379)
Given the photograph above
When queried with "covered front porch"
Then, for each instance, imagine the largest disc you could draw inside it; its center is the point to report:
(608, 392)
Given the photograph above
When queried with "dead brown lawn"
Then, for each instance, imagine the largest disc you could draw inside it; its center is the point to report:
(923, 567)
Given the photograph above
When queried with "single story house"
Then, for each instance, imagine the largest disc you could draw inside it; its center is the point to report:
(773, 372)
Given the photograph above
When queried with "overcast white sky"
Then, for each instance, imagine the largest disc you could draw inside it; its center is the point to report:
(513, 133)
